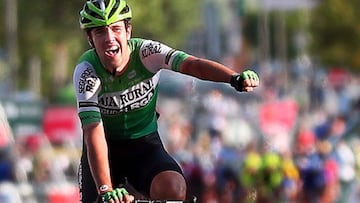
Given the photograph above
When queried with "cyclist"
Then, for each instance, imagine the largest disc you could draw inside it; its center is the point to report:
(116, 83)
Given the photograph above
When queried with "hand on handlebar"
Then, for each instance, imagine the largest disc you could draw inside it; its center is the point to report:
(117, 195)
(246, 81)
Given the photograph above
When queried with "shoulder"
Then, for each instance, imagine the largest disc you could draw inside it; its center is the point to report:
(135, 43)
(147, 47)
(84, 68)
(150, 47)
(86, 65)
(85, 73)
(88, 55)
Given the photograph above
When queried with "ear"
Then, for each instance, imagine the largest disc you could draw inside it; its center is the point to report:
(90, 40)
(128, 32)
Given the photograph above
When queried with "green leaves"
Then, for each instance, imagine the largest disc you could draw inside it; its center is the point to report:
(335, 32)
(49, 30)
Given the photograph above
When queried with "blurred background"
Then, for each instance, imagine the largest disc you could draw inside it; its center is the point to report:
(295, 139)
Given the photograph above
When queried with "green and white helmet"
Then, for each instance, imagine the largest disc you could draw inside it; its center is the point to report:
(98, 13)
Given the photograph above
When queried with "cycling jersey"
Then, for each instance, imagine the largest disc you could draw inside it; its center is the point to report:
(126, 104)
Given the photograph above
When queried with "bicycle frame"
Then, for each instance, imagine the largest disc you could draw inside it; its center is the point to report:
(139, 197)
(193, 200)
(159, 201)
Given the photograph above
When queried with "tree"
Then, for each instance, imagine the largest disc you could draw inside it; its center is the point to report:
(49, 33)
(164, 20)
(253, 30)
(335, 33)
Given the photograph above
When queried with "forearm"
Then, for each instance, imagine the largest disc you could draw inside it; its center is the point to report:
(97, 152)
(206, 70)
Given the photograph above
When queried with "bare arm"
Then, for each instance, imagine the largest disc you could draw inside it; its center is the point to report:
(206, 70)
(97, 152)
(210, 70)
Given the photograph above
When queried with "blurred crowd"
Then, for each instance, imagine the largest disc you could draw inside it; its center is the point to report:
(35, 170)
(295, 139)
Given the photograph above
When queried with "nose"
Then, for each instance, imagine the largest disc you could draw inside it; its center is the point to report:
(109, 35)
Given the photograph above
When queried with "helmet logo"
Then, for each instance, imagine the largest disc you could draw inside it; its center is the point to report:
(102, 5)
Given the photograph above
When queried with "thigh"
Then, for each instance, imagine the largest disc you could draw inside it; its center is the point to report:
(145, 158)
(157, 161)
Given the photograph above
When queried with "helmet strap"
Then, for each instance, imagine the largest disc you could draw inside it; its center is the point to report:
(91, 44)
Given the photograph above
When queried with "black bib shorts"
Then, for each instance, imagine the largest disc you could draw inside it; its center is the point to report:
(138, 161)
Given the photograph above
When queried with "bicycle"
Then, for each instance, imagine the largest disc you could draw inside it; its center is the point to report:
(193, 200)
(142, 199)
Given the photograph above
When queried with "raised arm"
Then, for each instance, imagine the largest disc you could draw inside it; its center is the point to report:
(213, 71)
(206, 69)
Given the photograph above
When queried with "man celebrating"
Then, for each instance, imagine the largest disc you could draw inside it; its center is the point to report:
(116, 83)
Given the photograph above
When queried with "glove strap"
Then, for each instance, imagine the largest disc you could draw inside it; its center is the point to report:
(104, 188)
(236, 82)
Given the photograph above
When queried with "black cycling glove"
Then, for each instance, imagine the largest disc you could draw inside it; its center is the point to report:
(237, 80)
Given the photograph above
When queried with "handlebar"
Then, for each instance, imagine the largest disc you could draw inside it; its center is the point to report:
(193, 200)
(158, 201)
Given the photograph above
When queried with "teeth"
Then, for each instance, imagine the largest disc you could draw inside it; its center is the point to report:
(113, 48)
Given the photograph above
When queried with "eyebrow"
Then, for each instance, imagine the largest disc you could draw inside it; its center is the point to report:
(109, 26)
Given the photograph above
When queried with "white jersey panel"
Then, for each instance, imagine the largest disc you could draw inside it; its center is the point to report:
(87, 86)
(155, 55)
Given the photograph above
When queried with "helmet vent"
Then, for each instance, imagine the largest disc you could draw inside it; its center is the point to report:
(91, 13)
(125, 10)
(114, 8)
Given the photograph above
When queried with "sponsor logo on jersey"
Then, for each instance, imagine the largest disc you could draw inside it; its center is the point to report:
(87, 81)
(136, 97)
(151, 48)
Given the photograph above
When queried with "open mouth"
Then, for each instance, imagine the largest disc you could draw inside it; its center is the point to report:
(112, 51)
